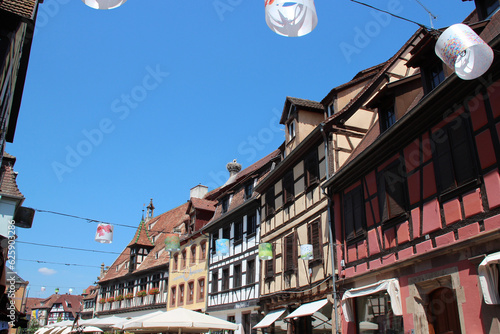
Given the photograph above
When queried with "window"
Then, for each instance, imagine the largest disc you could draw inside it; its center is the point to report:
(291, 130)
(183, 259)
(387, 116)
(311, 168)
(486, 8)
(231, 318)
(392, 191)
(213, 248)
(193, 255)
(226, 232)
(269, 206)
(238, 231)
(249, 190)
(454, 162)
(225, 279)
(143, 283)
(288, 189)
(190, 296)
(176, 261)
(331, 109)
(251, 224)
(269, 268)
(192, 224)
(290, 255)
(225, 204)
(246, 323)
(250, 274)
(433, 74)
(215, 281)
(237, 276)
(376, 309)
(354, 213)
(201, 289)
(314, 238)
(173, 294)
(181, 294)
(203, 250)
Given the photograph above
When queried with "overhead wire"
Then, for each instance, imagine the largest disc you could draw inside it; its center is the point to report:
(64, 247)
(64, 264)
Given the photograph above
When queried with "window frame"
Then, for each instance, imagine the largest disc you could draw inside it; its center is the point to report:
(238, 231)
(316, 242)
(250, 272)
(183, 259)
(249, 187)
(193, 256)
(173, 296)
(225, 279)
(190, 292)
(388, 196)
(270, 202)
(237, 276)
(180, 300)
(290, 256)
(251, 224)
(291, 129)
(350, 201)
(214, 284)
(270, 267)
(311, 169)
(387, 114)
(288, 187)
(201, 290)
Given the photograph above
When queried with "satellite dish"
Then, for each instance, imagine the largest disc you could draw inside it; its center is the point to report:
(464, 51)
(291, 18)
(104, 4)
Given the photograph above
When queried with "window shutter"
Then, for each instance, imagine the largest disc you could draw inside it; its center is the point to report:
(462, 157)
(311, 167)
(289, 253)
(288, 187)
(270, 268)
(316, 240)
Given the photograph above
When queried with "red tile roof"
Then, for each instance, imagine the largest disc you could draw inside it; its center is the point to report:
(24, 8)
(160, 225)
(203, 204)
(30, 302)
(8, 184)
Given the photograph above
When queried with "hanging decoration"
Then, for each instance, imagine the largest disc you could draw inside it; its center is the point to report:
(222, 247)
(291, 18)
(172, 242)
(265, 251)
(56, 291)
(306, 252)
(70, 290)
(464, 51)
(42, 288)
(104, 233)
(104, 4)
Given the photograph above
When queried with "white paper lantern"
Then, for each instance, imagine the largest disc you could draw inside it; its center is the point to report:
(222, 247)
(70, 291)
(43, 288)
(104, 233)
(306, 252)
(291, 18)
(464, 51)
(104, 4)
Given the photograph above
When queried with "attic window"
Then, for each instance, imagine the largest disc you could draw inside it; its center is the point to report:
(117, 268)
(291, 130)
(486, 8)
(225, 204)
(387, 117)
(331, 109)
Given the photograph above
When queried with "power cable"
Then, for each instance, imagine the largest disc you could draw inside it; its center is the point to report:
(64, 264)
(72, 248)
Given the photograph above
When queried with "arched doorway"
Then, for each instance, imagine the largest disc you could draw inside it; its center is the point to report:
(443, 312)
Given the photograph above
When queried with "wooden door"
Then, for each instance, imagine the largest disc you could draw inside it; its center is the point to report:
(443, 311)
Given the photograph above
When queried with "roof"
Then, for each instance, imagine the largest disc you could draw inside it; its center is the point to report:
(70, 303)
(161, 224)
(305, 104)
(23, 8)
(8, 184)
(30, 302)
(141, 237)
(203, 204)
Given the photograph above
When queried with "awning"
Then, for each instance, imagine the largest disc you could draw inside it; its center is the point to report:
(269, 319)
(308, 309)
(488, 271)
(389, 285)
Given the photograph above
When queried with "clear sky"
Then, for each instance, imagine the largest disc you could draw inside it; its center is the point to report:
(155, 97)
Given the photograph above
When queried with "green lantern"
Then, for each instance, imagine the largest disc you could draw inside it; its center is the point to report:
(172, 242)
(266, 251)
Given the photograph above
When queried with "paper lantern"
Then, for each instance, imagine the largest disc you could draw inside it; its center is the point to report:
(104, 233)
(57, 290)
(464, 51)
(172, 242)
(70, 291)
(306, 252)
(42, 289)
(222, 247)
(291, 18)
(104, 4)
(265, 251)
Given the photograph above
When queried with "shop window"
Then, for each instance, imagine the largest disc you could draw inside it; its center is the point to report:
(314, 239)
(354, 213)
(374, 315)
(392, 191)
(454, 161)
(290, 255)
(251, 224)
(311, 168)
(288, 187)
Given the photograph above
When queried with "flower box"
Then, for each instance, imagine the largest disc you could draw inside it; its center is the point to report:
(141, 293)
(119, 298)
(110, 299)
(102, 301)
(154, 291)
(129, 296)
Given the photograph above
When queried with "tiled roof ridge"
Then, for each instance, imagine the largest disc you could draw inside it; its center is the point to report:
(8, 184)
(23, 8)
(138, 239)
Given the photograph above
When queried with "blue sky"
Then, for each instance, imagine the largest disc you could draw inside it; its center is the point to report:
(147, 101)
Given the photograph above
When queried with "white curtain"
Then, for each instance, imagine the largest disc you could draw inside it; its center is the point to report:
(389, 285)
(488, 278)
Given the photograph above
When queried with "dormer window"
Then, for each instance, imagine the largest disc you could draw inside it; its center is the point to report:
(249, 190)
(387, 116)
(331, 109)
(433, 76)
(291, 130)
(225, 204)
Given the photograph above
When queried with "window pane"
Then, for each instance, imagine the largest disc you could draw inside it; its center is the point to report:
(374, 315)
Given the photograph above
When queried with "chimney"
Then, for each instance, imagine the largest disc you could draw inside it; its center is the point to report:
(102, 271)
(199, 191)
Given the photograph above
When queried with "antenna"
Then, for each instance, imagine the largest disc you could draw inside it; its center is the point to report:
(431, 16)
